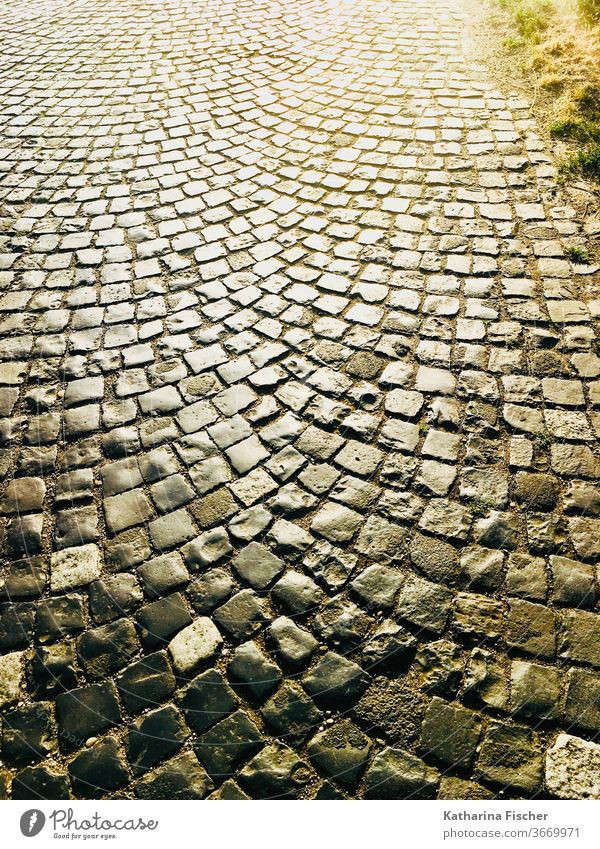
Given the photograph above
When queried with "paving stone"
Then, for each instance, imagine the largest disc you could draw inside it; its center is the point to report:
(84, 712)
(229, 791)
(343, 624)
(206, 700)
(59, 617)
(481, 569)
(246, 454)
(171, 530)
(510, 756)
(74, 567)
(291, 713)
(298, 386)
(98, 770)
(396, 774)
(208, 591)
(208, 548)
(181, 777)
(215, 508)
(335, 681)
(74, 485)
(160, 620)
(535, 690)
(146, 682)
(250, 523)
(162, 574)
(114, 596)
(297, 593)
(17, 623)
(458, 788)
(380, 539)
(23, 495)
(293, 644)
(154, 737)
(27, 734)
(358, 458)
(257, 565)
(26, 578)
(40, 782)
(446, 519)
(572, 768)
(24, 536)
(171, 493)
(242, 615)
(583, 498)
(582, 703)
(538, 493)
(424, 604)
(526, 576)
(477, 616)
(336, 523)
(341, 752)
(573, 582)
(378, 586)
(105, 649)
(52, 670)
(498, 530)
(389, 647)
(254, 673)
(277, 772)
(228, 743)
(330, 565)
(195, 643)
(127, 549)
(450, 733)
(579, 636)
(442, 664)
(126, 510)
(437, 559)
(585, 538)
(75, 527)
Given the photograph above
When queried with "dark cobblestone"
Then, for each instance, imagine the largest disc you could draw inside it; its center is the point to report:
(298, 412)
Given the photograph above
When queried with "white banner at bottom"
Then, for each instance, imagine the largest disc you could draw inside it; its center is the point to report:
(301, 825)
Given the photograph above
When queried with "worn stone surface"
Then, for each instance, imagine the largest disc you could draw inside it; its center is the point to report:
(572, 768)
(298, 411)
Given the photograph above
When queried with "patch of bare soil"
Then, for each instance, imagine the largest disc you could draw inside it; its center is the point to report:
(547, 75)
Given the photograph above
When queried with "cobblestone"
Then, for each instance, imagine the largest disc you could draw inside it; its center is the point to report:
(298, 412)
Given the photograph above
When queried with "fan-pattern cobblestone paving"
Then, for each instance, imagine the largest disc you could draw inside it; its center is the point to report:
(299, 387)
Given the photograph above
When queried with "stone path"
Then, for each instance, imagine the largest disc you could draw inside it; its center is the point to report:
(299, 386)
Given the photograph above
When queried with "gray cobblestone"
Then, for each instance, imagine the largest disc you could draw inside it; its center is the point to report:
(298, 424)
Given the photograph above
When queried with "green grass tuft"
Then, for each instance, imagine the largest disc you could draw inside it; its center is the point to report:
(531, 27)
(578, 254)
(590, 9)
(583, 126)
(586, 161)
(530, 17)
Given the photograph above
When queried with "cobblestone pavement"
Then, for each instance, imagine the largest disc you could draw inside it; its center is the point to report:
(300, 390)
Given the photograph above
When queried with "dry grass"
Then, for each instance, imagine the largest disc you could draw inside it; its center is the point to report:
(559, 50)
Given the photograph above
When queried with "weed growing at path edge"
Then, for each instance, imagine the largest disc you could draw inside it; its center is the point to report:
(561, 42)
